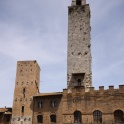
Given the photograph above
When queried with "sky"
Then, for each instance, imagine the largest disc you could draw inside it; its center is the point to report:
(37, 30)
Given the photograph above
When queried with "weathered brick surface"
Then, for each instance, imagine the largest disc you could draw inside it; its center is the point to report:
(46, 110)
(26, 85)
(87, 102)
(106, 101)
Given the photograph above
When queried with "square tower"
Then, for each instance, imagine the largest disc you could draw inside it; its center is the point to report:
(79, 51)
(26, 86)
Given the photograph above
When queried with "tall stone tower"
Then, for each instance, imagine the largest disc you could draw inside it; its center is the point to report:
(79, 51)
(26, 85)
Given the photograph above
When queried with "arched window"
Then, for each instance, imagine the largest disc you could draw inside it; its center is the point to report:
(118, 116)
(97, 116)
(40, 119)
(53, 118)
(78, 2)
(77, 117)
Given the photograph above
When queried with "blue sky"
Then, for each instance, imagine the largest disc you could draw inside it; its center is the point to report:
(37, 30)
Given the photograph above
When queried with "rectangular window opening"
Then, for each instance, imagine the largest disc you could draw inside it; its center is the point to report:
(22, 109)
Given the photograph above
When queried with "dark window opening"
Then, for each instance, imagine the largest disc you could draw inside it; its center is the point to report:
(118, 116)
(78, 2)
(1, 116)
(24, 91)
(77, 78)
(40, 119)
(8, 118)
(79, 82)
(97, 116)
(53, 118)
(22, 109)
(36, 84)
(77, 117)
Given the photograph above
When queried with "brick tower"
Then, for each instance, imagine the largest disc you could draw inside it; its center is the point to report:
(26, 85)
(79, 51)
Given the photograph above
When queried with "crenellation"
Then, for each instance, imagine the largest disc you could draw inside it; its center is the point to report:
(80, 91)
(121, 88)
(111, 89)
(101, 88)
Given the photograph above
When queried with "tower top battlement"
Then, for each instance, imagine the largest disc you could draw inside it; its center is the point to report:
(78, 2)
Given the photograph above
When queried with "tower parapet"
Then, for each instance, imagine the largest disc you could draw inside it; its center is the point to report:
(78, 2)
(101, 92)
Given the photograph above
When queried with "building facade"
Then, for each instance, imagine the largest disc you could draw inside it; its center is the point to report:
(79, 103)
(26, 86)
(5, 115)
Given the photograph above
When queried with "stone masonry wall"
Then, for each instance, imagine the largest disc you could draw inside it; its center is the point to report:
(79, 53)
(106, 101)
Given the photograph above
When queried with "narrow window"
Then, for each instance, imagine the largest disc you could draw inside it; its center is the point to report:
(78, 2)
(53, 118)
(22, 109)
(24, 91)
